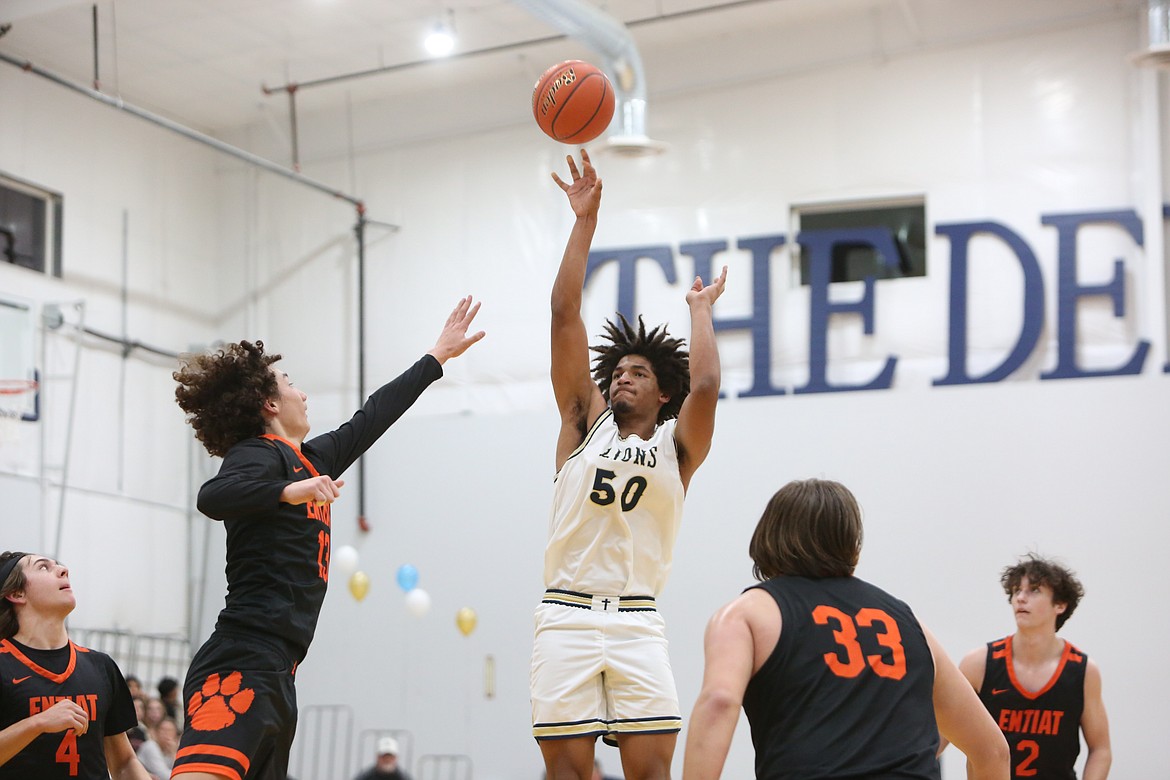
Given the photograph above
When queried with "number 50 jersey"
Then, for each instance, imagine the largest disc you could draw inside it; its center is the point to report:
(616, 510)
(849, 689)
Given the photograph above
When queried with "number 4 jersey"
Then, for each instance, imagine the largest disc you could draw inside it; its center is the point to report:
(1042, 727)
(848, 690)
(30, 684)
(616, 509)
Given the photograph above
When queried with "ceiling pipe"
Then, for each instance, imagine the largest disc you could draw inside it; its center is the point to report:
(182, 130)
(610, 38)
(1157, 51)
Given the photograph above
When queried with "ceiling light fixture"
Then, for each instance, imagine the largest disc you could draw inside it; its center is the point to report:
(440, 41)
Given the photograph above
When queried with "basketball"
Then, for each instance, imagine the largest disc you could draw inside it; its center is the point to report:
(573, 102)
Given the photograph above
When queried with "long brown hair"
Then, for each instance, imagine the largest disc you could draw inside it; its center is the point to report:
(810, 528)
(14, 582)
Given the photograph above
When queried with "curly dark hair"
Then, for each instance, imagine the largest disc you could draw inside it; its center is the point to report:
(15, 580)
(1066, 588)
(223, 393)
(671, 363)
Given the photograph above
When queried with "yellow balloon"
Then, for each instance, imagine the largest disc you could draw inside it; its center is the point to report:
(466, 619)
(359, 585)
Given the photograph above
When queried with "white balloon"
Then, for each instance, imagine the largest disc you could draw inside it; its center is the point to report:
(418, 602)
(345, 558)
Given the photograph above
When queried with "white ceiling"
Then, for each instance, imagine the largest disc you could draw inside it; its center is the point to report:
(204, 63)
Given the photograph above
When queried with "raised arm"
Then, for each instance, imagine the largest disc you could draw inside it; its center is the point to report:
(578, 398)
(453, 340)
(696, 418)
(964, 721)
(341, 447)
(1095, 727)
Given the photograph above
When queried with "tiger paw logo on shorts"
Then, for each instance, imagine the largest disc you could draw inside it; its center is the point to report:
(216, 704)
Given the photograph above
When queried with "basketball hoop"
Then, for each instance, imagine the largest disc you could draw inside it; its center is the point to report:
(10, 414)
(17, 386)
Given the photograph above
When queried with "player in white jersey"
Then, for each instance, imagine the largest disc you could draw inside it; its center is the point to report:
(632, 435)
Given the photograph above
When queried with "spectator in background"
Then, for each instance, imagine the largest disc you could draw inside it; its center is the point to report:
(168, 691)
(137, 732)
(154, 714)
(158, 754)
(386, 766)
(135, 686)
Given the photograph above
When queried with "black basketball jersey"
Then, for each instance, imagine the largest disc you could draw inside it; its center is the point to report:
(29, 684)
(278, 554)
(1042, 727)
(848, 691)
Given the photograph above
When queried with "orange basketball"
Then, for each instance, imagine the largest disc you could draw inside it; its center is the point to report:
(573, 102)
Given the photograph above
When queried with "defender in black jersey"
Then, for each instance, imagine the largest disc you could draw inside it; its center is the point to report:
(273, 493)
(837, 677)
(64, 710)
(1041, 690)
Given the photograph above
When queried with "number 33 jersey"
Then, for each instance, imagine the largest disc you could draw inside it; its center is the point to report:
(29, 686)
(849, 689)
(616, 510)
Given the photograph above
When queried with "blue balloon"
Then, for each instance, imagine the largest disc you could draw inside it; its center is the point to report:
(407, 577)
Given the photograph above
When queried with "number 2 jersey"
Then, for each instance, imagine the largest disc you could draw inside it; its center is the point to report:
(617, 505)
(277, 553)
(1042, 727)
(32, 681)
(848, 690)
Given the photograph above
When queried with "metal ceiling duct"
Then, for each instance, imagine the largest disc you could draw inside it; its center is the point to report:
(586, 23)
(1157, 51)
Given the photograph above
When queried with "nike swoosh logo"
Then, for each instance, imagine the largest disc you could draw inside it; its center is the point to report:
(298, 469)
(19, 680)
(998, 691)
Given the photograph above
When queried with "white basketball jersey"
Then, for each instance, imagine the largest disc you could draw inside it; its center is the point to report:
(617, 504)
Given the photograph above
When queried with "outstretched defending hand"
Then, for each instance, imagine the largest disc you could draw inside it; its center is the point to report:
(709, 294)
(454, 341)
(585, 191)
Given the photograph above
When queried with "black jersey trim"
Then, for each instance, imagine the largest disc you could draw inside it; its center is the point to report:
(608, 413)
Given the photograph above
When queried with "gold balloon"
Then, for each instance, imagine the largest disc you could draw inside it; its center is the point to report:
(359, 585)
(466, 619)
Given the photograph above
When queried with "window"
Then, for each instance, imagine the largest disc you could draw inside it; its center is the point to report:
(30, 226)
(854, 261)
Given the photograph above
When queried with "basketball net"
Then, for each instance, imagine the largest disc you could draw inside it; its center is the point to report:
(10, 414)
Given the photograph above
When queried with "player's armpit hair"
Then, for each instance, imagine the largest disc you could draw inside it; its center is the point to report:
(223, 393)
(671, 363)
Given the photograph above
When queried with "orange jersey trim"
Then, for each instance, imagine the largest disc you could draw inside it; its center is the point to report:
(1069, 653)
(203, 751)
(215, 769)
(8, 647)
(295, 448)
